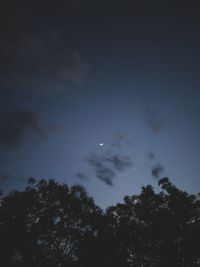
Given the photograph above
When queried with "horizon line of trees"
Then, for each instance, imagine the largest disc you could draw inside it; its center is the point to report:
(54, 225)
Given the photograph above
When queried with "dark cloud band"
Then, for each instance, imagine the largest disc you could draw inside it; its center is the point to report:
(14, 126)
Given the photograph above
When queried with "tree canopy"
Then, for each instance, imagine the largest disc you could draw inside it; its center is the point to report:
(52, 224)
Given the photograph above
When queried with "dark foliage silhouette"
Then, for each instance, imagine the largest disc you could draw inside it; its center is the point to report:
(49, 224)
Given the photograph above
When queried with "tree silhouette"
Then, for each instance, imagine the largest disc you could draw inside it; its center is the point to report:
(51, 224)
(46, 224)
(158, 229)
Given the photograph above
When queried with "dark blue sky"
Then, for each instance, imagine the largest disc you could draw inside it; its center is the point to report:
(74, 74)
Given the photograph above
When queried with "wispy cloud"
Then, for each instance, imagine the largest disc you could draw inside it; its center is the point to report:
(151, 155)
(37, 55)
(157, 170)
(119, 163)
(105, 174)
(15, 125)
(82, 176)
(154, 120)
(118, 140)
(76, 71)
(108, 164)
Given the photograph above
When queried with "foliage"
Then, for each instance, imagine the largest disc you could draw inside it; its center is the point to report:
(49, 224)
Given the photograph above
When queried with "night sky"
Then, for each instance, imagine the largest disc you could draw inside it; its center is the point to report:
(101, 93)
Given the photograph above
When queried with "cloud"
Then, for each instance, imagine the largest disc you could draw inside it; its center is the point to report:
(151, 156)
(155, 121)
(119, 140)
(157, 170)
(82, 176)
(108, 164)
(77, 70)
(35, 50)
(118, 162)
(105, 174)
(42, 65)
(14, 125)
